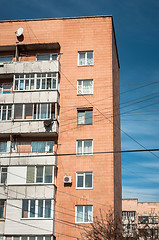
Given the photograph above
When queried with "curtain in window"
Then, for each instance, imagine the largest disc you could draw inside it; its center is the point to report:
(79, 87)
(88, 214)
(38, 146)
(18, 111)
(32, 208)
(90, 58)
(2, 208)
(49, 146)
(3, 175)
(47, 208)
(44, 111)
(40, 208)
(88, 117)
(25, 209)
(30, 174)
(80, 117)
(88, 147)
(81, 58)
(80, 180)
(79, 217)
(21, 84)
(7, 88)
(43, 57)
(3, 146)
(48, 174)
(79, 147)
(39, 174)
(87, 86)
(88, 180)
(28, 111)
(4, 112)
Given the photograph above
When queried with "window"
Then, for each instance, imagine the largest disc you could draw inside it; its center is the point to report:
(85, 86)
(2, 209)
(23, 237)
(5, 146)
(84, 180)
(85, 58)
(46, 57)
(36, 208)
(84, 214)
(6, 59)
(130, 215)
(84, 117)
(34, 111)
(3, 175)
(5, 87)
(39, 174)
(35, 81)
(44, 110)
(5, 112)
(46, 146)
(143, 219)
(84, 147)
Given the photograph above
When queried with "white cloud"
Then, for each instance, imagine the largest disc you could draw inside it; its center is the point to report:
(143, 194)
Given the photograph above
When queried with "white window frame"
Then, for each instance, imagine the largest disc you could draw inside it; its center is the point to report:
(82, 92)
(35, 77)
(44, 54)
(38, 112)
(83, 154)
(28, 237)
(84, 176)
(83, 214)
(86, 58)
(84, 111)
(1, 173)
(35, 174)
(46, 145)
(36, 209)
(7, 108)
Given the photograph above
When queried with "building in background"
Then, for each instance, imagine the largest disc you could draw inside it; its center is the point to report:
(59, 114)
(140, 218)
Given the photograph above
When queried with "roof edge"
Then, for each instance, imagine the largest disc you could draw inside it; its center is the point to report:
(60, 18)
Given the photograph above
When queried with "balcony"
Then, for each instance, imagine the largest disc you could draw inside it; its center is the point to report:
(30, 97)
(29, 158)
(29, 67)
(29, 128)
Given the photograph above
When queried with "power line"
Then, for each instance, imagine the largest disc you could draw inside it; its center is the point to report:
(100, 152)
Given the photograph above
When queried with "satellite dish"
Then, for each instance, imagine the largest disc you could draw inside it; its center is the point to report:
(19, 32)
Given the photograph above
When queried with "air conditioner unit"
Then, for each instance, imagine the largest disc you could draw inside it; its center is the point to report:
(67, 179)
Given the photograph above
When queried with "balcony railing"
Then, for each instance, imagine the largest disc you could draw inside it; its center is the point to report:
(29, 127)
(30, 67)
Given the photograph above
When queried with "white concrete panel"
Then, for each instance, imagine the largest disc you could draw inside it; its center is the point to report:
(30, 67)
(31, 191)
(29, 126)
(27, 159)
(16, 175)
(15, 225)
(2, 225)
(36, 96)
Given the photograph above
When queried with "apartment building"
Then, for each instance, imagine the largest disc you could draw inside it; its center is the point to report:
(59, 126)
(140, 218)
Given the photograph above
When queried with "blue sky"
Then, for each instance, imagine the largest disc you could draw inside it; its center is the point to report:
(136, 25)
